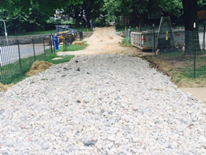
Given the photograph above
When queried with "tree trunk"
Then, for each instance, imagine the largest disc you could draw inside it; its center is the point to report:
(77, 18)
(191, 33)
(141, 23)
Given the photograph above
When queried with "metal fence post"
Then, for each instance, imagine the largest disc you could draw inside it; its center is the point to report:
(153, 39)
(1, 73)
(65, 42)
(203, 46)
(128, 35)
(1, 69)
(80, 35)
(34, 50)
(19, 53)
(195, 51)
(44, 48)
(51, 42)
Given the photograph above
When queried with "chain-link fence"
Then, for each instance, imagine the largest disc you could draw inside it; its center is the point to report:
(17, 57)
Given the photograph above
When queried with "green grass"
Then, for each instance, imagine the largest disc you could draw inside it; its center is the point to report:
(63, 59)
(172, 54)
(72, 47)
(12, 73)
(125, 42)
(200, 72)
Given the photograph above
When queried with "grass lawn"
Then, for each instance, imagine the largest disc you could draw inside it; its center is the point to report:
(72, 47)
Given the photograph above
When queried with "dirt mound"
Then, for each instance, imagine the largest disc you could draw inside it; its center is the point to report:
(37, 67)
(5, 87)
(78, 43)
(102, 41)
(104, 35)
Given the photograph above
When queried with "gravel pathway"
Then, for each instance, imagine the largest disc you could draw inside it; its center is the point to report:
(98, 105)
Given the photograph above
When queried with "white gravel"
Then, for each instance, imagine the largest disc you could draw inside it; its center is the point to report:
(98, 105)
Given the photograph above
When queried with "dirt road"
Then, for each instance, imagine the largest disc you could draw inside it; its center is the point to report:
(104, 40)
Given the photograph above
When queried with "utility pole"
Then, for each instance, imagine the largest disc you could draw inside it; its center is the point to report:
(5, 31)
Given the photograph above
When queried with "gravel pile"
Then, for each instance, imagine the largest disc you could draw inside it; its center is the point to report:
(103, 104)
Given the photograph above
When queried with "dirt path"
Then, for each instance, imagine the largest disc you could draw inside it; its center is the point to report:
(104, 40)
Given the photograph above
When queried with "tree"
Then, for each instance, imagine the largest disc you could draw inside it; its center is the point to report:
(141, 8)
(44, 6)
(84, 12)
(30, 14)
(190, 17)
(24, 21)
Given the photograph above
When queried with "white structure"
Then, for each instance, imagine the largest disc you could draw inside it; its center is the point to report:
(5, 31)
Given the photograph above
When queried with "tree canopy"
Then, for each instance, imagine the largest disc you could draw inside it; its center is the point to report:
(85, 11)
(138, 7)
(45, 6)
(20, 12)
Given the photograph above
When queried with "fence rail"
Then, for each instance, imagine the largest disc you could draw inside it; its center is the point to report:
(17, 58)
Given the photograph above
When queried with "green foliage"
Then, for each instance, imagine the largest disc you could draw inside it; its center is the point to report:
(46, 7)
(126, 42)
(52, 20)
(139, 7)
(84, 12)
(99, 22)
(30, 20)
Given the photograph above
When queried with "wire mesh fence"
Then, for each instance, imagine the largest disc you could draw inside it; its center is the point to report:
(17, 57)
(189, 58)
(184, 51)
(199, 54)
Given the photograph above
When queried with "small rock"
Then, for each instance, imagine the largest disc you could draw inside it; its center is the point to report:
(111, 138)
(113, 130)
(90, 143)
(202, 139)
